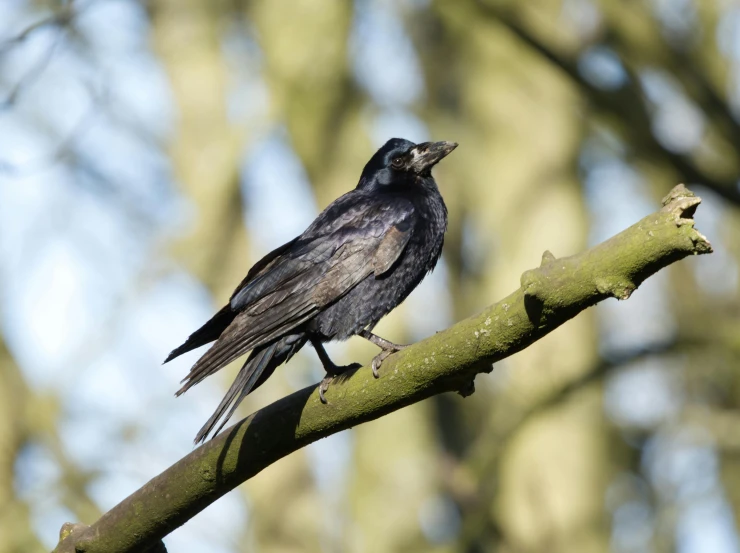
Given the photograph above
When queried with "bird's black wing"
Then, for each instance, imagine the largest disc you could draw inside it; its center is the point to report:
(358, 235)
(213, 328)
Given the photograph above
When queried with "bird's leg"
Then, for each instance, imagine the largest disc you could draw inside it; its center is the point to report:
(331, 369)
(389, 348)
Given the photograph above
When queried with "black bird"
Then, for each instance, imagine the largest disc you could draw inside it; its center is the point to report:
(360, 258)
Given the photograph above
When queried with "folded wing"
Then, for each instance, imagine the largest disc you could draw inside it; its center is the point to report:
(313, 271)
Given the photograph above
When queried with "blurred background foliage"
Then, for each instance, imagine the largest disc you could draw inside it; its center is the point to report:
(150, 152)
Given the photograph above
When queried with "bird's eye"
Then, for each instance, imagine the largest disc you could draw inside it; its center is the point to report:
(397, 162)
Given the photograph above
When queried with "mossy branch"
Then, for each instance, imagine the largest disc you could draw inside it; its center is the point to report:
(549, 296)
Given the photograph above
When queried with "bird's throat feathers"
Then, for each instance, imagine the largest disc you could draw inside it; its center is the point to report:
(384, 181)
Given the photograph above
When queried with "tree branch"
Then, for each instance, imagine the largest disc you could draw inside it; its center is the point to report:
(549, 296)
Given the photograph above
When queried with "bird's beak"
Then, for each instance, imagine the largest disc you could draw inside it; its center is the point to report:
(426, 155)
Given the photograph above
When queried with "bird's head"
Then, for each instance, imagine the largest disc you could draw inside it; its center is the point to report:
(400, 162)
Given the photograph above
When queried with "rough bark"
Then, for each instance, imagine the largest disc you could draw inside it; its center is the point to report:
(549, 296)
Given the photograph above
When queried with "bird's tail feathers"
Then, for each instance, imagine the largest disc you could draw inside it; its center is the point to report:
(207, 333)
(257, 368)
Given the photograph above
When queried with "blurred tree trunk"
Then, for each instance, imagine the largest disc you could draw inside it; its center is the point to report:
(15, 522)
(207, 149)
(517, 180)
(207, 153)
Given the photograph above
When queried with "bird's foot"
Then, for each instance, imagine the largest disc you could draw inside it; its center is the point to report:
(389, 349)
(331, 372)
